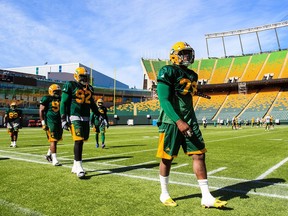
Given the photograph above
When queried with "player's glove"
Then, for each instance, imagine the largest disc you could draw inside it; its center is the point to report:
(65, 124)
(5, 125)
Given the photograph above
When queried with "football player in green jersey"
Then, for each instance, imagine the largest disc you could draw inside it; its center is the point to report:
(177, 123)
(49, 112)
(13, 122)
(76, 103)
(100, 122)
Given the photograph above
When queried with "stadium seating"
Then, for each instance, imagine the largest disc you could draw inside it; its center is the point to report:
(255, 66)
(209, 108)
(222, 68)
(205, 69)
(273, 65)
(260, 104)
(279, 108)
(238, 67)
(234, 104)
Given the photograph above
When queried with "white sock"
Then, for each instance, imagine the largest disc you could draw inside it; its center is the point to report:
(207, 197)
(78, 165)
(54, 158)
(49, 152)
(164, 181)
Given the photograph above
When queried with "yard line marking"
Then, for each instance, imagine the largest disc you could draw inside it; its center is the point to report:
(118, 160)
(275, 139)
(181, 165)
(196, 185)
(124, 153)
(235, 137)
(217, 170)
(272, 169)
(148, 162)
(18, 208)
(172, 182)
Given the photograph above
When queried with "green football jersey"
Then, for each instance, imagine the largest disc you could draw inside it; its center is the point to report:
(52, 109)
(182, 83)
(13, 115)
(77, 100)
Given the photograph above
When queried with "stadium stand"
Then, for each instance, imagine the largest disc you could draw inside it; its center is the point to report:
(254, 67)
(273, 65)
(279, 108)
(260, 104)
(222, 68)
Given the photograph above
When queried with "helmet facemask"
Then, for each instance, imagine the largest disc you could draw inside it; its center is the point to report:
(83, 79)
(186, 57)
(57, 93)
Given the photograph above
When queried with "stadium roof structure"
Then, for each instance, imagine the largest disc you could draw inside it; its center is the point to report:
(240, 32)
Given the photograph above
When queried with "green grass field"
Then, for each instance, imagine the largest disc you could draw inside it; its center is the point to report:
(247, 167)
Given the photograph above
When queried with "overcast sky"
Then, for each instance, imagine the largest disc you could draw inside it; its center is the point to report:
(114, 34)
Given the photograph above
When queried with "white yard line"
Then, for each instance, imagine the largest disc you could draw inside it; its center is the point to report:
(266, 194)
(118, 160)
(217, 170)
(181, 165)
(272, 169)
(18, 208)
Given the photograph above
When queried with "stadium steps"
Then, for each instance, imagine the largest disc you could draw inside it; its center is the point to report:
(249, 103)
(273, 103)
(220, 108)
(284, 69)
(259, 77)
(229, 71)
(246, 67)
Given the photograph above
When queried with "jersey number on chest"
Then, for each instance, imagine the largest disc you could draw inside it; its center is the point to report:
(187, 85)
(83, 96)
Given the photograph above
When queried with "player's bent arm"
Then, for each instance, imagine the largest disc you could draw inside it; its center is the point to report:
(164, 93)
(41, 112)
(64, 104)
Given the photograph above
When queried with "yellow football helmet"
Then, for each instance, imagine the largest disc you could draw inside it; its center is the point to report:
(13, 105)
(182, 54)
(81, 75)
(100, 102)
(54, 90)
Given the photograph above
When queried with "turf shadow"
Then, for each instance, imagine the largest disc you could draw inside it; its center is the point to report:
(121, 169)
(239, 190)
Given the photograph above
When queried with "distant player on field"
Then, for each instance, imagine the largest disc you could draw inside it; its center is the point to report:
(267, 122)
(178, 125)
(100, 122)
(13, 122)
(76, 103)
(49, 112)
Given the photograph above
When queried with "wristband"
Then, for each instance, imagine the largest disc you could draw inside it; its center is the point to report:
(43, 122)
